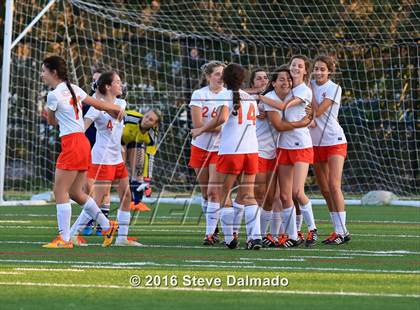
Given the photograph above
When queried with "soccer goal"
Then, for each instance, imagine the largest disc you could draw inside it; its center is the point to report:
(158, 48)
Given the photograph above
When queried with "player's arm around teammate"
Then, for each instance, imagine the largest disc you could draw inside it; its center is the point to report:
(64, 106)
(238, 156)
(295, 156)
(205, 147)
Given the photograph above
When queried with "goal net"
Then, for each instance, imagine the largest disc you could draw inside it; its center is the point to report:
(158, 48)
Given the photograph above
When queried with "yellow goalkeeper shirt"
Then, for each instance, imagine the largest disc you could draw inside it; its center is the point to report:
(133, 137)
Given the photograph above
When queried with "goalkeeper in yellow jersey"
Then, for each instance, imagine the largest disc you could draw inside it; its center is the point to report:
(139, 137)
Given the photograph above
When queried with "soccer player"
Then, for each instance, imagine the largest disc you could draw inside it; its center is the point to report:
(278, 89)
(204, 148)
(330, 146)
(64, 104)
(91, 135)
(140, 137)
(238, 157)
(265, 180)
(295, 156)
(107, 162)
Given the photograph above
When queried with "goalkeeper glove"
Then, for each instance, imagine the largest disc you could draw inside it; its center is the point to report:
(148, 190)
(137, 190)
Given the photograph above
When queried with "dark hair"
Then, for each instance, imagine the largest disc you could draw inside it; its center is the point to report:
(94, 84)
(208, 69)
(253, 74)
(326, 60)
(58, 64)
(307, 65)
(105, 79)
(98, 70)
(234, 76)
(274, 76)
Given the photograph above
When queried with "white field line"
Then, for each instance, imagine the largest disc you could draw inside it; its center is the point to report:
(49, 269)
(127, 265)
(291, 259)
(53, 217)
(200, 230)
(12, 221)
(216, 261)
(10, 272)
(213, 290)
(311, 250)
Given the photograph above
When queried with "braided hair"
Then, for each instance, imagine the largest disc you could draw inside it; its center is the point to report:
(233, 77)
(58, 64)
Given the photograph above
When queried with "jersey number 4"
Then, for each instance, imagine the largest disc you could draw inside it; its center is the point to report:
(250, 116)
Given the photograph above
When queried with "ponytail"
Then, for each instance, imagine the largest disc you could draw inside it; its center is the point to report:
(236, 99)
(234, 76)
(58, 64)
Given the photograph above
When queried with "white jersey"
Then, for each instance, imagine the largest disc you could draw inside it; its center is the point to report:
(268, 108)
(238, 134)
(107, 148)
(266, 134)
(328, 131)
(204, 99)
(298, 138)
(68, 114)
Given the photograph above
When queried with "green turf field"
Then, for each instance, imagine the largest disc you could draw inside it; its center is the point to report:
(379, 269)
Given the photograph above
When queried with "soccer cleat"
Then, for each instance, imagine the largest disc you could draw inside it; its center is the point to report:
(132, 238)
(301, 236)
(88, 230)
(289, 243)
(311, 238)
(270, 242)
(59, 243)
(208, 240)
(216, 237)
(98, 230)
(234, 243)
(282, 238)
(127, 242)
(253, 244)
(79, 241)
(110, 233)
(331, 237)
(140, 207)
(340, 239)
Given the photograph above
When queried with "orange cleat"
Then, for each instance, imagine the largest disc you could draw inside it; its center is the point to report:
(141, 207)
(79, 241)
(110, 233)
(59, 243)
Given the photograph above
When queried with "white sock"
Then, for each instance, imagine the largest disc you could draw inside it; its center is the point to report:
(239, 213)
(204, 205)
(252, 222)
(63, 220)
(299, 221)
(308, 215)
(227, 216)
(340, 221)
(212, 217)
(288, 217)
(94, 212)
(265, 218)
(80, 223)
(275, 223)
(123, 218)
